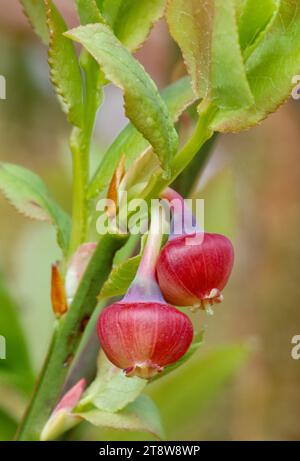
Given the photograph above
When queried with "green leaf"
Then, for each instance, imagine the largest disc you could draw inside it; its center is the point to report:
(120, 278)
(131, 143)
(143, 104)
(131, 20)
(15, 369)
(122, 275)
(110, 9)
(207, 33)
(270, 68)
(179, 96)
(8, 427)
(88, 11)
(36, 13)
(94, 79)
(141, 415)
(111, 390)
(100, 4)
(64, 67)
(29, 195)
(239, 6)
(140, 178)
(199, 380)
(128, 249)
(253, 21)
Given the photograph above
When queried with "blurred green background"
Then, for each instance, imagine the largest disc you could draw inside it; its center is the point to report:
(243, 383)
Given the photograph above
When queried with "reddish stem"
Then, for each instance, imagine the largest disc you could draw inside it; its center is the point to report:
(144, 286)
(184, 222)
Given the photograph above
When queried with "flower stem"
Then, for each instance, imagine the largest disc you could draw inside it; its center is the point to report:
(67, 335)
(144, 286)
(201, 134)
(171, 194)
(80, 146)
(183, 222)
(152, 248)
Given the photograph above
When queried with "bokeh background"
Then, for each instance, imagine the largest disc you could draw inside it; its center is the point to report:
(243, 383)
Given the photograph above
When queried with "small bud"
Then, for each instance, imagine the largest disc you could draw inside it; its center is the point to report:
(144, 337)
(77, 267)
(139, 178)
(72, 397)
(113, 189)
(195, 274)
(58, 295)
(62, 418)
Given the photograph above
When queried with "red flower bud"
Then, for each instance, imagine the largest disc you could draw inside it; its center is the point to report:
(72, 397)
(144, 337)
(193, 274)
(62, 419)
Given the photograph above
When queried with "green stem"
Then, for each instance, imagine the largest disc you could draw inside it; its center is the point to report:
(187, 180)
(66, 339)
(201, 134)
(79, 145)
